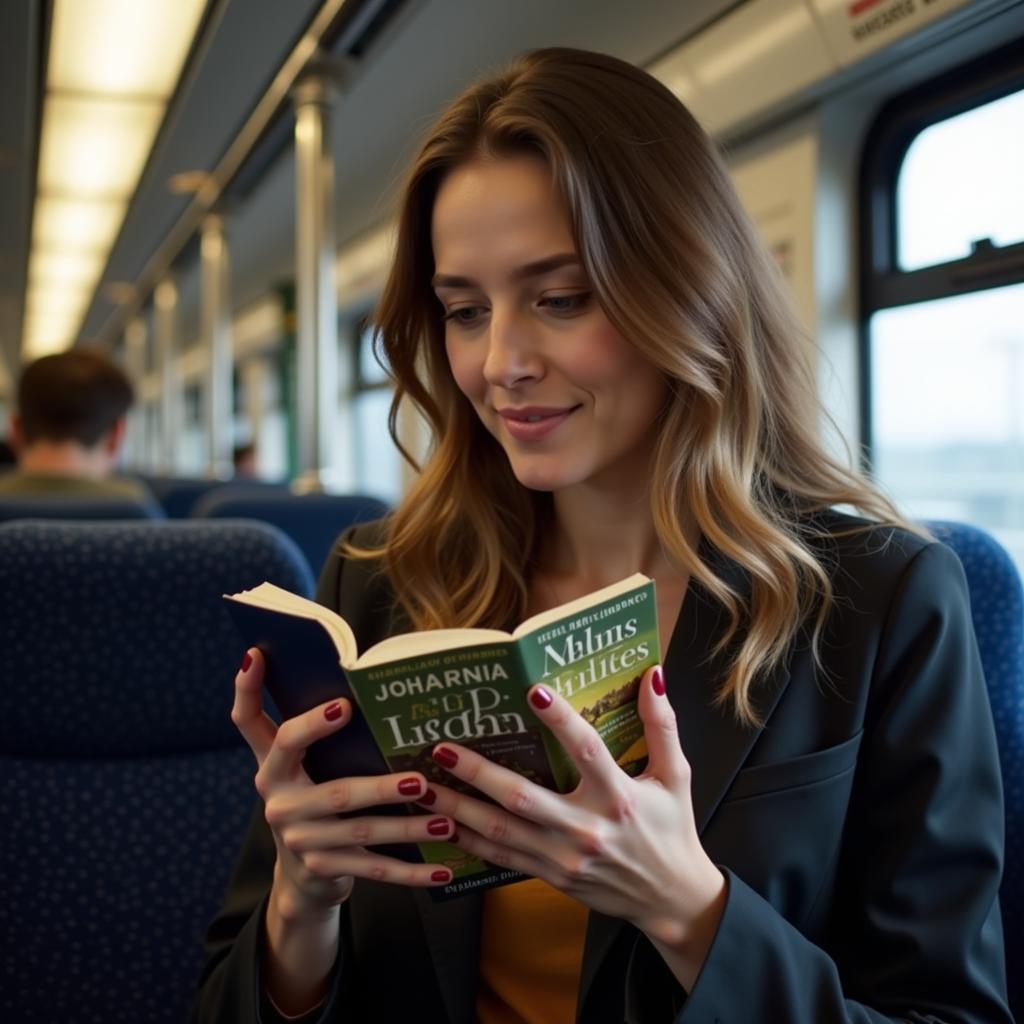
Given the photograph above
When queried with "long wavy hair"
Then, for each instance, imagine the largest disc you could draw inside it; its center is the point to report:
(678, 270)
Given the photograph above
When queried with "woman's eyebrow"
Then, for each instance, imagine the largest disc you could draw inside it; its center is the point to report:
(535, 269)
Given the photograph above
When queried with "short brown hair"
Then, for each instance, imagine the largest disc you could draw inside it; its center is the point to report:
(76, 395)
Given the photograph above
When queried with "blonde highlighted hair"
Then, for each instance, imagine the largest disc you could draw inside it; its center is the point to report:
(677, 269)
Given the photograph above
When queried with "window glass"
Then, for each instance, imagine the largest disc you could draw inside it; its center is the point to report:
(378, 461)
(191, 445)
(370, 370)
(948, 410)
(272, 445)
(962, 180)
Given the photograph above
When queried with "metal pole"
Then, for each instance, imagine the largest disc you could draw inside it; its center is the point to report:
(135, 366)
(215, 331)
(165, 335)
(255, 376)
(315, 294)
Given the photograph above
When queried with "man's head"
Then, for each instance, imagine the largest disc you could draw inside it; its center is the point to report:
(71, 409)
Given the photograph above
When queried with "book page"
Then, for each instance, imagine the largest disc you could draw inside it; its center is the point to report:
(412, 645)
(275, 598)
(552, 615)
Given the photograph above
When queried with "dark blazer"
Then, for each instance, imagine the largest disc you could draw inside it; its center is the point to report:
(860, 830)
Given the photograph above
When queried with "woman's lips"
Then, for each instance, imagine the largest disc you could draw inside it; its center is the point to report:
(532, 424)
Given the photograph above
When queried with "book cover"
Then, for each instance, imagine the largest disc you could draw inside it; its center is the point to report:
(464, 686)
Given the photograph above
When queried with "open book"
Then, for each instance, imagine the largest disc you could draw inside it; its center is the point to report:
(415, 690)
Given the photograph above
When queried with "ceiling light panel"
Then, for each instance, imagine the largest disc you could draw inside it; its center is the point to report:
(121, 47)
(57, 302)
(78, 225)
(95, 147)
(65, 269)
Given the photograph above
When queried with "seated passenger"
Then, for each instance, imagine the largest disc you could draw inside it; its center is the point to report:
(69, 427)
(602, 347)
(245, 462)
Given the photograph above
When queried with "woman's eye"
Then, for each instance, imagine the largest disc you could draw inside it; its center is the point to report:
(463, 315)
(566, 303)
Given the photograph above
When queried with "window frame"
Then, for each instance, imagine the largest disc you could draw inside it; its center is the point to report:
(882, 284)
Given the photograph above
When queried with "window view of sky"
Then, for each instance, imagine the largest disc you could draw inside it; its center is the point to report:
(947, 376)
(948, 410)
(963, 180)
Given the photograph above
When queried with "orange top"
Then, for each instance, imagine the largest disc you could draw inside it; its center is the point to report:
(531, 950)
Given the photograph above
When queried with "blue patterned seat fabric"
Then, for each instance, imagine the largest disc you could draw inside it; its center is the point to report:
(76, 507)
(997, 608)
(124, 786)
(313, 521)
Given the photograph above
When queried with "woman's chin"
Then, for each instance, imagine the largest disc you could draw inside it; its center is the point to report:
(543, 478)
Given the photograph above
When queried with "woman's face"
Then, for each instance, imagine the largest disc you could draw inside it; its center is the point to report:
(569, 399)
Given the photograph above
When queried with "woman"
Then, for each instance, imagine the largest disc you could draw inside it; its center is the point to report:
(580, 309)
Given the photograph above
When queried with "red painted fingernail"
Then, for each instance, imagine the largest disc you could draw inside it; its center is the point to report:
(438, 826)
(441, 876)
(428, 798)
(658, 681)
(410, 787)
(446, 758)
(333, 711)
(246, 662)
(540, 698)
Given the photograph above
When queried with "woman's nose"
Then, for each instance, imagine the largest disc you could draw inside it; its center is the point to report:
(513, 352)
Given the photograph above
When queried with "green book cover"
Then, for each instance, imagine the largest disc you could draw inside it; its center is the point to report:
(469, 687)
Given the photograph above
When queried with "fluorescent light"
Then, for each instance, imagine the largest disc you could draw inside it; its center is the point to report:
(95, 147)
(50, 330)
(121, 47)
(57, 301)
(65, 268)
(76, 224)
(112, 66)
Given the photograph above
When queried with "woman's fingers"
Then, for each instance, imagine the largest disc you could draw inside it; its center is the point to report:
(499, 825)
(296, 735)
(665, 759)
(515, 793)
(359, 863)
(334, 833)
(507, 857)
(255, 725)
(341, 796)
(580, 739)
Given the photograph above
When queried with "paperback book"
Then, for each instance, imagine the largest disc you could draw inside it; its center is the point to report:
(467, 686)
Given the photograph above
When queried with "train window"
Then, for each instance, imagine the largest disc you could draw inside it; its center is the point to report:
(942, 284)
(191, 452)
(976, 158)
(378, 463)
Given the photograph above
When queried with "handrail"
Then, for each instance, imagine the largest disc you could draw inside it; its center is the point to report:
(306, 52)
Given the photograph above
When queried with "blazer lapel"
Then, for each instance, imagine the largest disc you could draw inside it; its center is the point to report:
(714, 743)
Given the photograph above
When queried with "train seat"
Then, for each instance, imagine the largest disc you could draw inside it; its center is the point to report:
(47, 507)
(313, 521)
(124, 786)
(997, 609)
(178, 495)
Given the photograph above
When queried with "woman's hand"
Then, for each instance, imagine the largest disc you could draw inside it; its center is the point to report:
(625, 847)
(319, 853)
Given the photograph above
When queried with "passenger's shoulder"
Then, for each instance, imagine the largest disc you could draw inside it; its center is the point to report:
(875, 557)
(347, 578)
(368, 536)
